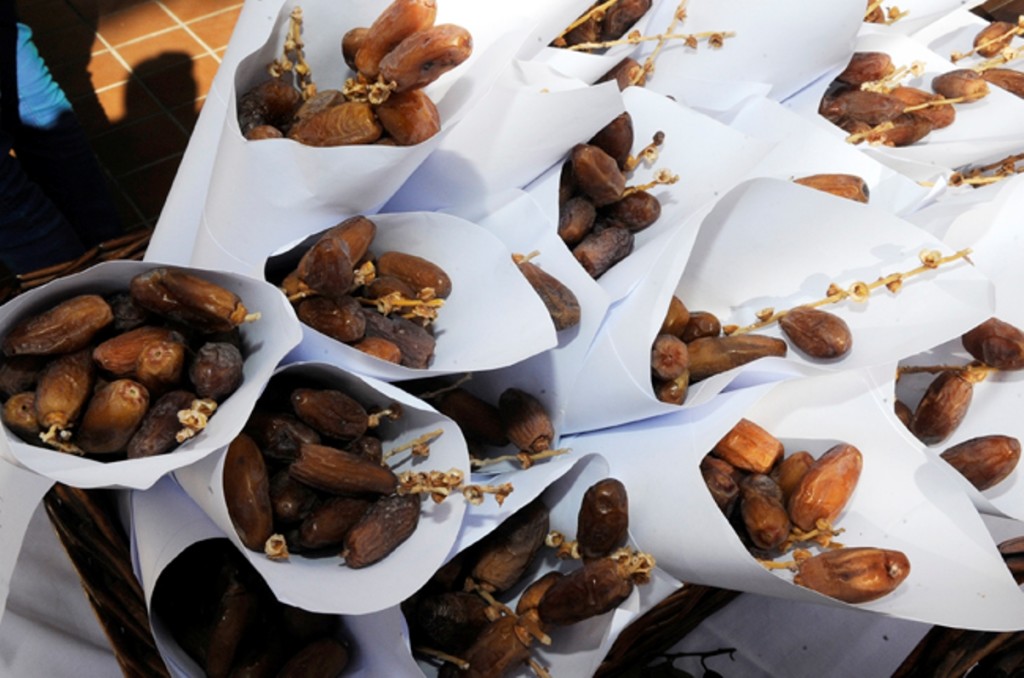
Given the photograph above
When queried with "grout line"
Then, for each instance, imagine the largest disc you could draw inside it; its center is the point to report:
(145, 87)
(152, 163)
(182, 24)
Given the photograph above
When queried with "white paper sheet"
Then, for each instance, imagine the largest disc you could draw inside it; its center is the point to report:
(492, 318)
(266, 342)
(324, 584)
(21, 492)
(902, 501)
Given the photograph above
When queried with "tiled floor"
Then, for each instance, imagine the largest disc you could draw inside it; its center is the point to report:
(137, 73)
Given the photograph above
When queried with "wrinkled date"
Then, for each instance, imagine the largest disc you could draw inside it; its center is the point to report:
(854, 575)
(97, 366)
(393, 59)
(603, 520)
(986, 460)
(382, 306)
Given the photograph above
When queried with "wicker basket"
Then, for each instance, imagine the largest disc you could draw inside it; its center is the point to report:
(87, 523)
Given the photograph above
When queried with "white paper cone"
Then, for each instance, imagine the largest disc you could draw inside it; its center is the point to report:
(265, 194)
(902, 501)
(992, 126)
(493, 317)
(324, 584)
(165, 521)
(266, 342)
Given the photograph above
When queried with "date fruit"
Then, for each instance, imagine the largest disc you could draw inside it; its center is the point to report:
(112, 417)
(186, 298)
(817, 333)
(749, 447)
(333, 470)
(942, 408)
(247, 492)
(826, 487)
(986, 460)
(764, 516)
(425, 56)
(962, 82)
(67, 327)
(559, 300)
(397, 22)
(389, 522)
(526, 422)
(848, 186)
(586, 592)
(996, 343)
(854, 575)
(603, 520)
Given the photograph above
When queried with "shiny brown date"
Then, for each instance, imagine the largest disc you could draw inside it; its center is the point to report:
(333, 470)
(986, 460)
(67, 327)
(157, 432)
(749, 447)
(854, 575)
(597, 175)
(817, 333)
(598, 252)
(590, 590)
(505, 554)
(764, 516)
(389, 522)
(996, 343)
(247, 492)
(397, 22)
(330, 412)
(826, 487)
(942, 408)
(426, 55)
(603, 520)
(409, 117)
(525, 420)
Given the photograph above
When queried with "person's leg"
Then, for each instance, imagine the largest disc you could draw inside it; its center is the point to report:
(33, 234)
(54, 152)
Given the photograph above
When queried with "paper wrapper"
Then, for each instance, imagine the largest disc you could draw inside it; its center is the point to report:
(266, 341)
(577, 650)
(518, 221)
(165, 522)
(493, 317)
(802, 150)
(785, 44)
(990, 127)
(708, 157)
(902, 501)
(268, 193)
(761, 233)
(519, 129)
(325, 584)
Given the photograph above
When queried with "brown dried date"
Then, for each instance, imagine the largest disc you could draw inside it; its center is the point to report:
(749, 447)
(351, 42)
(383, 528)
(63, 389)
(603, 520)
(627, 72)
(127, 314)
(426, 55)
(120, 354)
(525, 420)
(938, 117)
(865, 67)
(380, 348)
(854, 575)
(505, 553)
(272, 102)
(156, 433)
(676, 318)
(942, 408)
(397, 22)
(562, 305)
(340, 318)
(333, 470)
(247, 492)
(321, 658)
(616, 139)
(19, 415)
(161, 364)
(701, 324)
(346, 124)
(327, 524)
(497, 650)
(112, 417)
(620, 16)
(669, 357)
(189, 299)
(817, 333)
(383, 285)
(597, 174)
(409, 117)
(826, 487)
(788, 473)
(634, 212)
(330, 412)
(721, 479)
(848, 186)
(575, 219)
(216, 370)
(67, 327)
(415, 343)
(280, 435)
(416, 272)
(994, 38)
(19, 373)
(593, 589)
(996, 343)
(478, 420)
(764, 516)
(290, 500)
(534, 593)
(598, 252)
(713, 355)
(962, 82)
(986, 460)
(871, 108)
(1006, 78)
(452, 620)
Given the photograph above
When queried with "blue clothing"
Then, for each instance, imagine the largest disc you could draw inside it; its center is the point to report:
(54, 201)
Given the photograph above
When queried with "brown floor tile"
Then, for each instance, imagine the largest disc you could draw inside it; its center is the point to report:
(150, 55)
(148, 187)
(133, 23)
(184, 82)
(47, 16)
(216, 30)
(187, 10)
(69, 45)
(132, 146)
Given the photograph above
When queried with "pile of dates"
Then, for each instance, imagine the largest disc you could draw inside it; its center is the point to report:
(610, 22)
(131, 374)
(223, 615)
(382, 305)
(597, 215)
(776, 502)
(457, 614)
(985, 460)
(992, 41)
(309, 475)
(402, 52)
(690, 347)
(862, 103)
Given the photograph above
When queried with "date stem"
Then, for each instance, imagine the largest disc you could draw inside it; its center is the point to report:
(859, 291)
(648, 154)
(975, 372)
(886, 84)
(462, 664)
(715, 39)
(194, 419)
(822, 535)
(1006, 56)
(663, 178)
(538, 669)
(419, 446)
(293, 57)
(525, 459)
